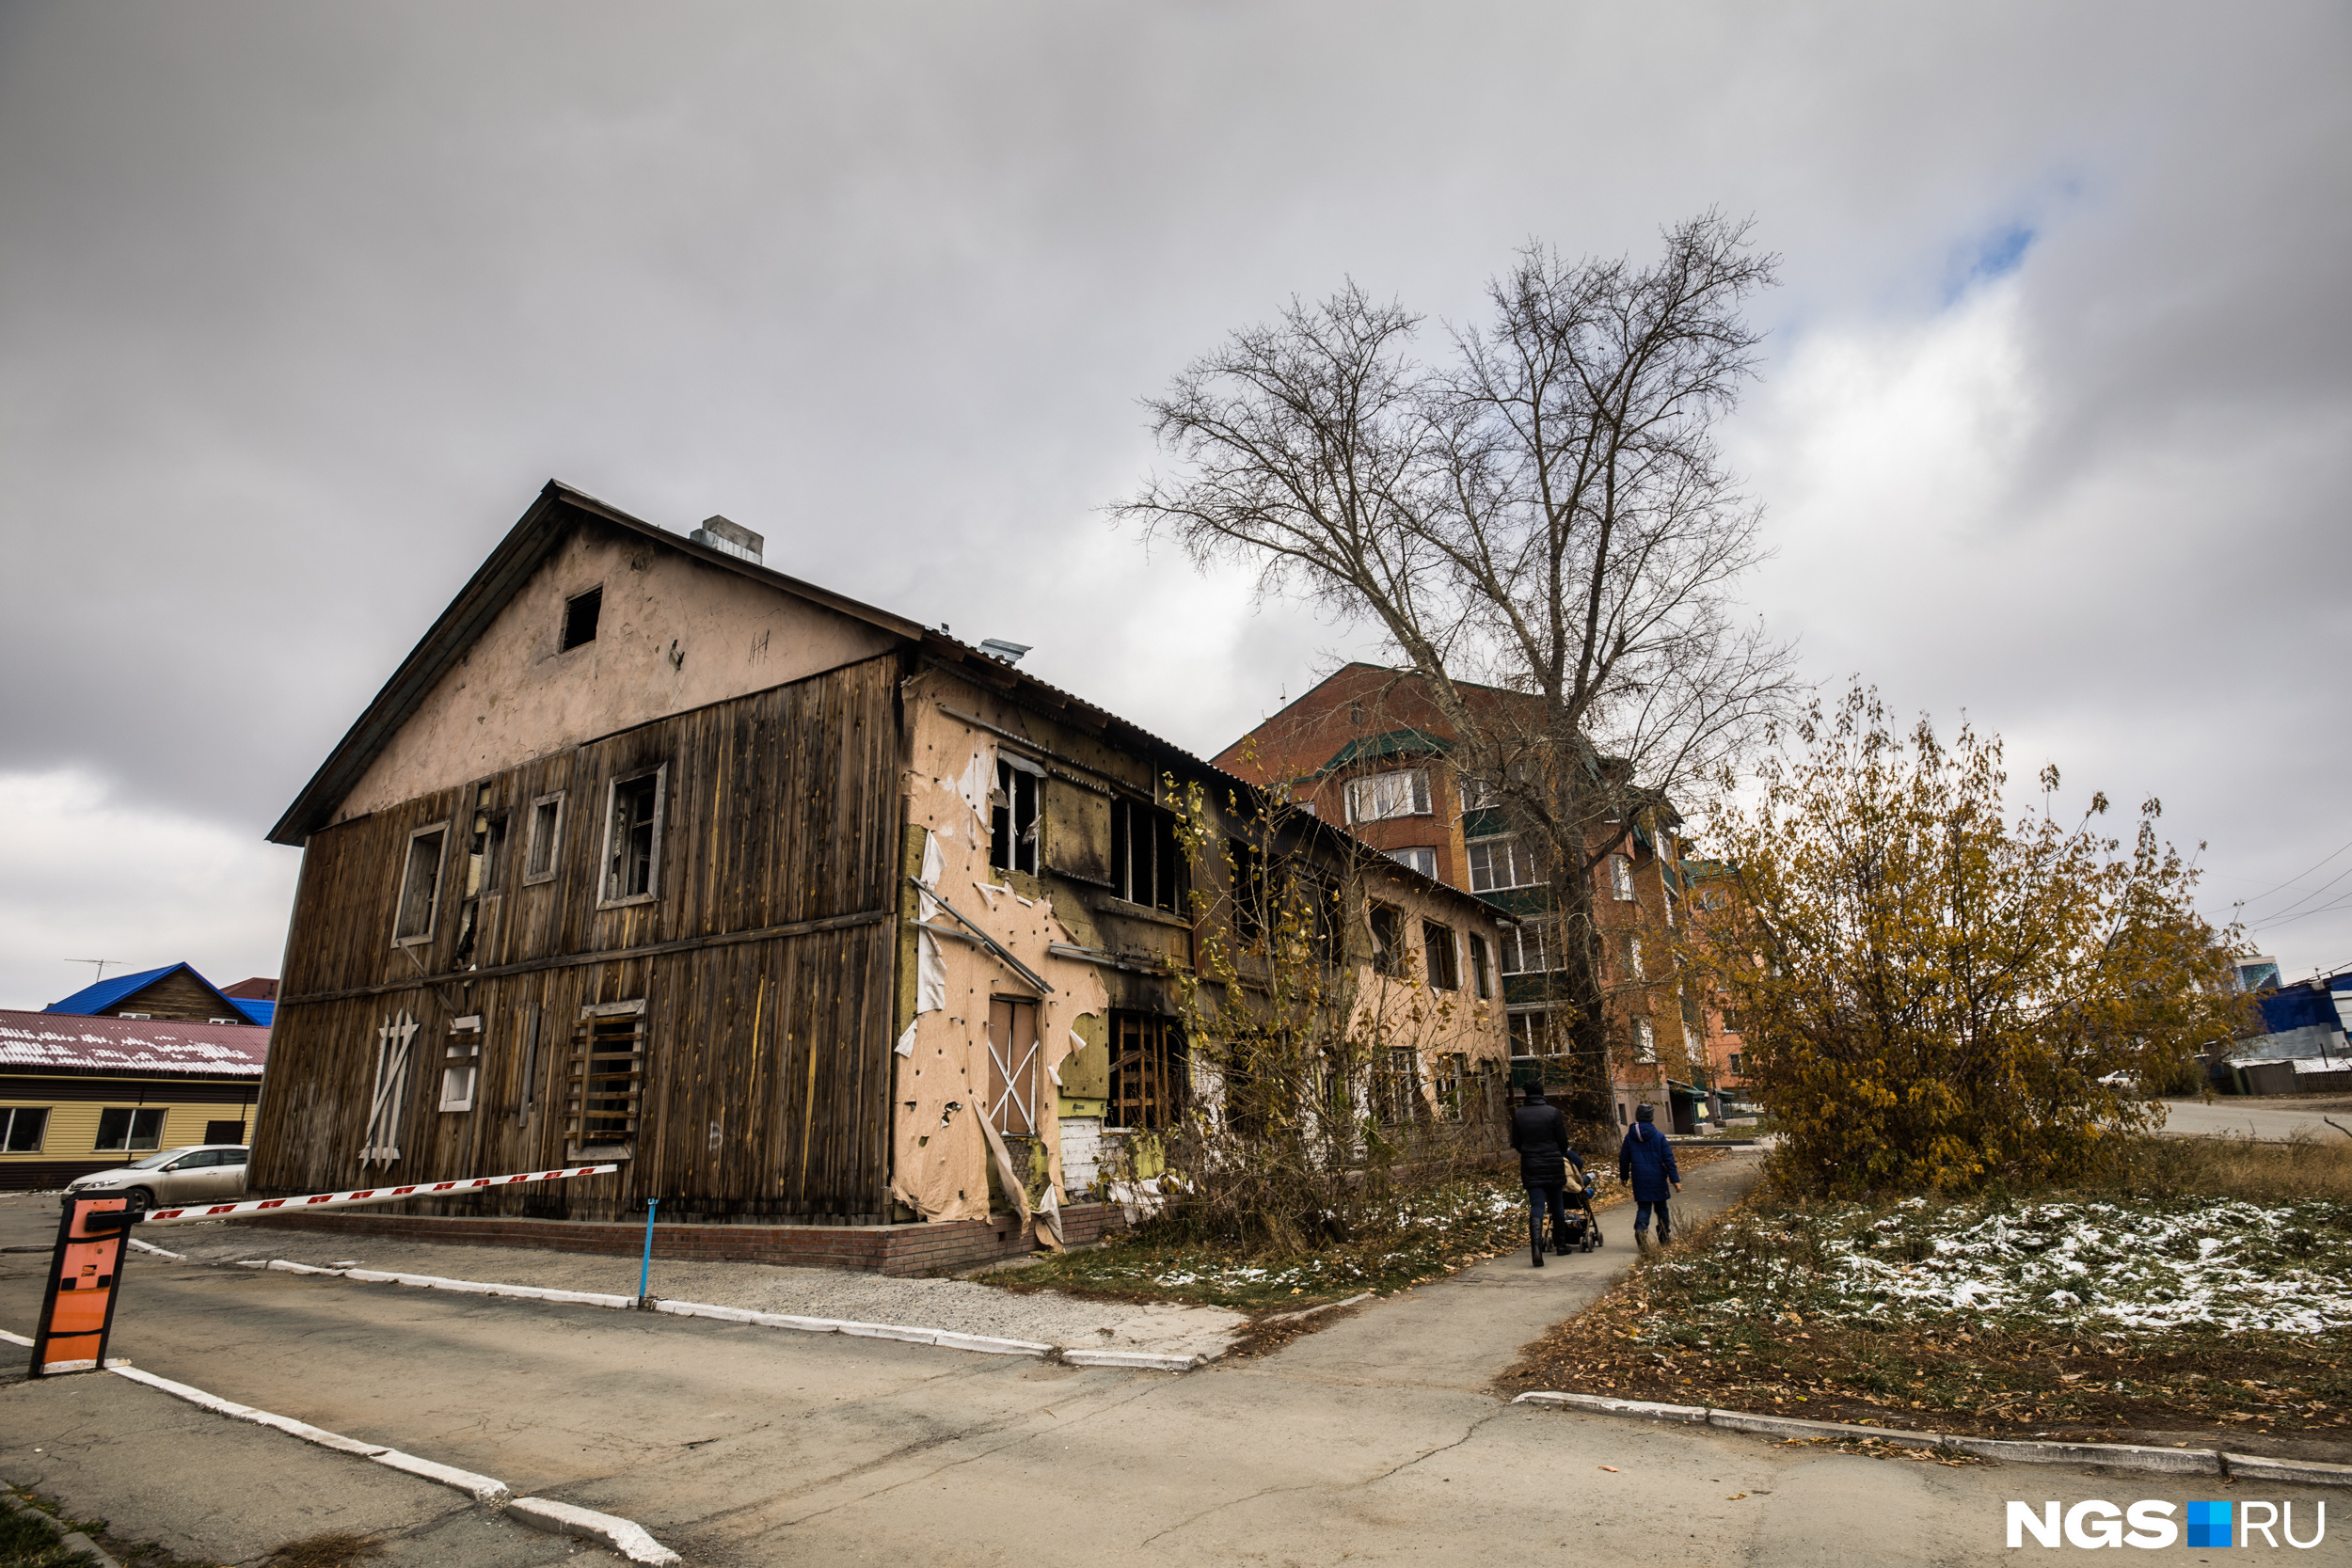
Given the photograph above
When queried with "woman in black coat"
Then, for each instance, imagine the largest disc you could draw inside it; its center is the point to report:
(1540, 1134)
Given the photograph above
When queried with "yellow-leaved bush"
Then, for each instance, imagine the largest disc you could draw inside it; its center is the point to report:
(1929, 993)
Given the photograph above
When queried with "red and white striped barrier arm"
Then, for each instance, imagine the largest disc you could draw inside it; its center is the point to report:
(364, 1194)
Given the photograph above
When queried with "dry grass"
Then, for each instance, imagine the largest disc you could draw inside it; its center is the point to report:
(2300, 1168)
(333, 1549)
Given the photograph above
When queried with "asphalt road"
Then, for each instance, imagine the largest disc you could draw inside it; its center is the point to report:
(1376, 1440)
(2227, 1117)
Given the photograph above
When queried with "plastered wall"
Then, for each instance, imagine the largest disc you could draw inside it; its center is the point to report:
(673, 634)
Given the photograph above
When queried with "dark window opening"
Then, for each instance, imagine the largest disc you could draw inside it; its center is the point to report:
(224, 1132)
(1482, 979)
(1445, 972)
(1320, 895)
(125, 1129)
(22, 1128)
(1252, 916)
(608, 1078)
(1396, 1087)
(1148, 1070)
(421, 885)
(580, 618)
(484, 855)
(545, 843)
(633, 838)
(1146, 866)
(1012, 821)
(1388, 940)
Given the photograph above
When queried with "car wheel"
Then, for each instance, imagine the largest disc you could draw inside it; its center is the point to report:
(141, 1200)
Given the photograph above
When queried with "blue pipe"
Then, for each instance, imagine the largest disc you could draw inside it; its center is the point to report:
(645, 1270)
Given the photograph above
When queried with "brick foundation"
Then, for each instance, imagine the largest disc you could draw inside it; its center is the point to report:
(951, 1246)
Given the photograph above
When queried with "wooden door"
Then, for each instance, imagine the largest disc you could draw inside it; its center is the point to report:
(1012, 1067)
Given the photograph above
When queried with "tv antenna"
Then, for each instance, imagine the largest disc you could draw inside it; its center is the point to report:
(102, 964)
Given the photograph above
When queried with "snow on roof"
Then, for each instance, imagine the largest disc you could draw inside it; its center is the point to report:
(64, 1043)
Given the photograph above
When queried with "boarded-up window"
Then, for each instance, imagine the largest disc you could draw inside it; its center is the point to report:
(1012, 1067)
(1148, 1071)
(421, 885)
(608, 1078)
(387, 1099)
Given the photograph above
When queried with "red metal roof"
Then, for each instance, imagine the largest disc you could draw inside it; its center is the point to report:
(66, 1042)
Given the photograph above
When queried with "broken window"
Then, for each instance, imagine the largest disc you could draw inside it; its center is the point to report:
(1421, 860)
(127, 1128)
(1148, 1071)
(485, 851)
(1621, 879)
(1526, 949)
(22, 1128)
(387, 1099)
(1387, 940)
(421, 886)
(1146, 866)
(1501, 863)
(632, 839)
(1012, 815)
(544, 845)
(608, 1075)
(1012, 1067)
(1377, 797)
(1737, 1071)
(1453, 1085)
(1481, 979)
(461, 1063)
(1445, 969)
(581, 613)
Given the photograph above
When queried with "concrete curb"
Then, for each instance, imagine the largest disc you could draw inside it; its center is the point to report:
(71, 1540)
(624, 1536)
(2119, 1456)
(977, 1344)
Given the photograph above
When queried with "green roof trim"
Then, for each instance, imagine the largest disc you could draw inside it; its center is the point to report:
(1393, 743)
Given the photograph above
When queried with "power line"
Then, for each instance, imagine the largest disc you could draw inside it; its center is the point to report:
(2297, 878)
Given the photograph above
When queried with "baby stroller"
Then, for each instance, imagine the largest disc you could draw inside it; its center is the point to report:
(1581, 1233)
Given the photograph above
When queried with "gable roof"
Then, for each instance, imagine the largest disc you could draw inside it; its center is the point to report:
(51, 1042)
(98, 997)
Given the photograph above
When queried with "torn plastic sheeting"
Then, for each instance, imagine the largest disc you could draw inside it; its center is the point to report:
(978, 783)
(1016, 1186)
(906, 1042)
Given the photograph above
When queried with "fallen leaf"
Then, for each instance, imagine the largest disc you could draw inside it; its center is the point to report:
(1735, 1496)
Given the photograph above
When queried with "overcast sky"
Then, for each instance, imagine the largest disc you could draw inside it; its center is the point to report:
(300, 305)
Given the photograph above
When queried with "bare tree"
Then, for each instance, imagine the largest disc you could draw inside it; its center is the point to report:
(1540, 523)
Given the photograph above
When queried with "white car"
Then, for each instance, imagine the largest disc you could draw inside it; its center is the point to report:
(169, 1178)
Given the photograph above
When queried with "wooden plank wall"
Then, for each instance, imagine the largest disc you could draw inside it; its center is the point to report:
(768, 1059)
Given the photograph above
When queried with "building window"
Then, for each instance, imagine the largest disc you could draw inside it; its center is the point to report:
(1145, 866)
(1396, 1089)
(387, 1099)
(1737, 1071)
(545, 846)
(1478, 794)
(461, 1063)
(581, 613)
(607, 1076)
(224, 1131)
(1481, 979)
(1445, 969)
(22, 1127)
(1526, 949)
(1644, 1040)
(1253, 916)
(1387, 940)
(1148, 1071)
(485, 856)
(632, 837)
(1633, 960)
(126, 1129)
(1528, 1034)
(421, 886)
(1012, 817)
(1012, 1067)
(1423, 861)
(1453, 1085)
(1377, 797)
(1320, 896)
(1621, 879)
(1501, 863)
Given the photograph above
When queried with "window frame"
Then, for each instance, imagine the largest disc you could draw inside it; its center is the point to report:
(1011, 769)
(1416, 790)
(1388, 958)
(132, 1114)
(10, 1116)
(1621, 877)
(1402, 857)
(1516, 942)
(407, 869)
(1644, 1042)
(461, 1052)
(554, 839)
(1437, 937)
(1482, 983)
(577, 1143)
(1150, 1073)
(1520, 863)
(660, 774)
(564, 643)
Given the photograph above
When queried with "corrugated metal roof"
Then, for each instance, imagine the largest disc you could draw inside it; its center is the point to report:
(60, 1042)
(259, 1012)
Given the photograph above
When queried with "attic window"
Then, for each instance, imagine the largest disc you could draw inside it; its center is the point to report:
(580, 618)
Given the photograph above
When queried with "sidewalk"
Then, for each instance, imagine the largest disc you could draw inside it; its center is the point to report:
(212, 1490)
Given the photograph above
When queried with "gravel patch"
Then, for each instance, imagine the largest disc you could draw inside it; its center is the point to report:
(959, 1305)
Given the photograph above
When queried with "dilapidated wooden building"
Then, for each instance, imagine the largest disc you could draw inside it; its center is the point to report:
(792, 908)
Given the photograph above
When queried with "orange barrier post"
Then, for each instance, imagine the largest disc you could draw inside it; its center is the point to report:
(78, 1311)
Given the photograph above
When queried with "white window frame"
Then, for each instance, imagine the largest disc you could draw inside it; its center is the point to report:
(408, 868)
(1644, 1041)
(1407, 856)
(1621, 879)
(1633, 958)
(8, 1126)
(660, 776)
(1513, 942)
(554, 839)
(461, 1063)
(1477, 794)
(1518, 863)
(1430, 927)
(1385, 797)
(388, 1098)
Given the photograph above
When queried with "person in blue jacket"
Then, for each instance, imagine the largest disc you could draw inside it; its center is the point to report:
(1646, 1162)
